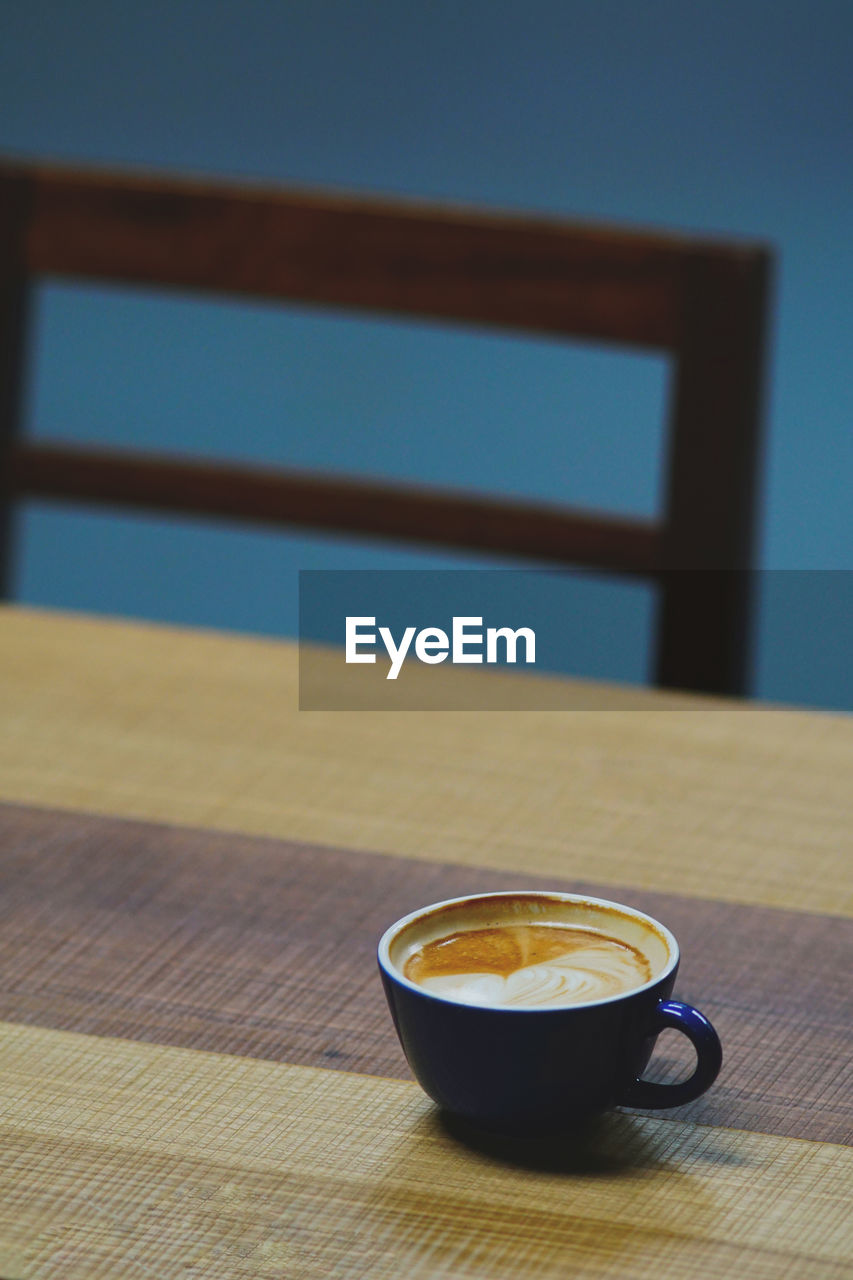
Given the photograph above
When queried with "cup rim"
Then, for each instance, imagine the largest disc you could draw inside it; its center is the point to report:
(385, 963)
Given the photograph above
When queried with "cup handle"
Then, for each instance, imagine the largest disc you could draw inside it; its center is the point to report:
(709, 1058)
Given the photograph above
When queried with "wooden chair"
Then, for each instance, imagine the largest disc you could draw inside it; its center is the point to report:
(702, 302)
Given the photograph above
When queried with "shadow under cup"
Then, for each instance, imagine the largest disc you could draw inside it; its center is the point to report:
(531, 1070)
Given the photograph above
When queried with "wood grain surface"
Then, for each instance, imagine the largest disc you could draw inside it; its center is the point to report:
(714, 800)
(267, 949)
(198, 1074)
(141, 1161)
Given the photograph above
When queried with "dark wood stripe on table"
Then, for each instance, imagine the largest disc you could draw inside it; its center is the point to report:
(266, 948)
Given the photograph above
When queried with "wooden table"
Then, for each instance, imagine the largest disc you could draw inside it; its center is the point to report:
(197, 1070)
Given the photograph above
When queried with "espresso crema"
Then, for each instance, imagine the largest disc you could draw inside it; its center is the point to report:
(527, 965)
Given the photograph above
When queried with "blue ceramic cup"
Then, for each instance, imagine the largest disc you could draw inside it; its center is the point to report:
(528, 1070)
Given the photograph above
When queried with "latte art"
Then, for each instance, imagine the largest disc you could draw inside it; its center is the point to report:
(527, 965)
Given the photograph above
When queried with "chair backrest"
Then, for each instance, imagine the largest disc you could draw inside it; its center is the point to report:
(702, 302)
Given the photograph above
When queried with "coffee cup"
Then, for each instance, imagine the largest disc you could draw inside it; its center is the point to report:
(529, 1013)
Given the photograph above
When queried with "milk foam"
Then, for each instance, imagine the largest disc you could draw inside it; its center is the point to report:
(595, 967)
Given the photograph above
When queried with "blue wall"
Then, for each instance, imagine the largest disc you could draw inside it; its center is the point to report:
(730, 118)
